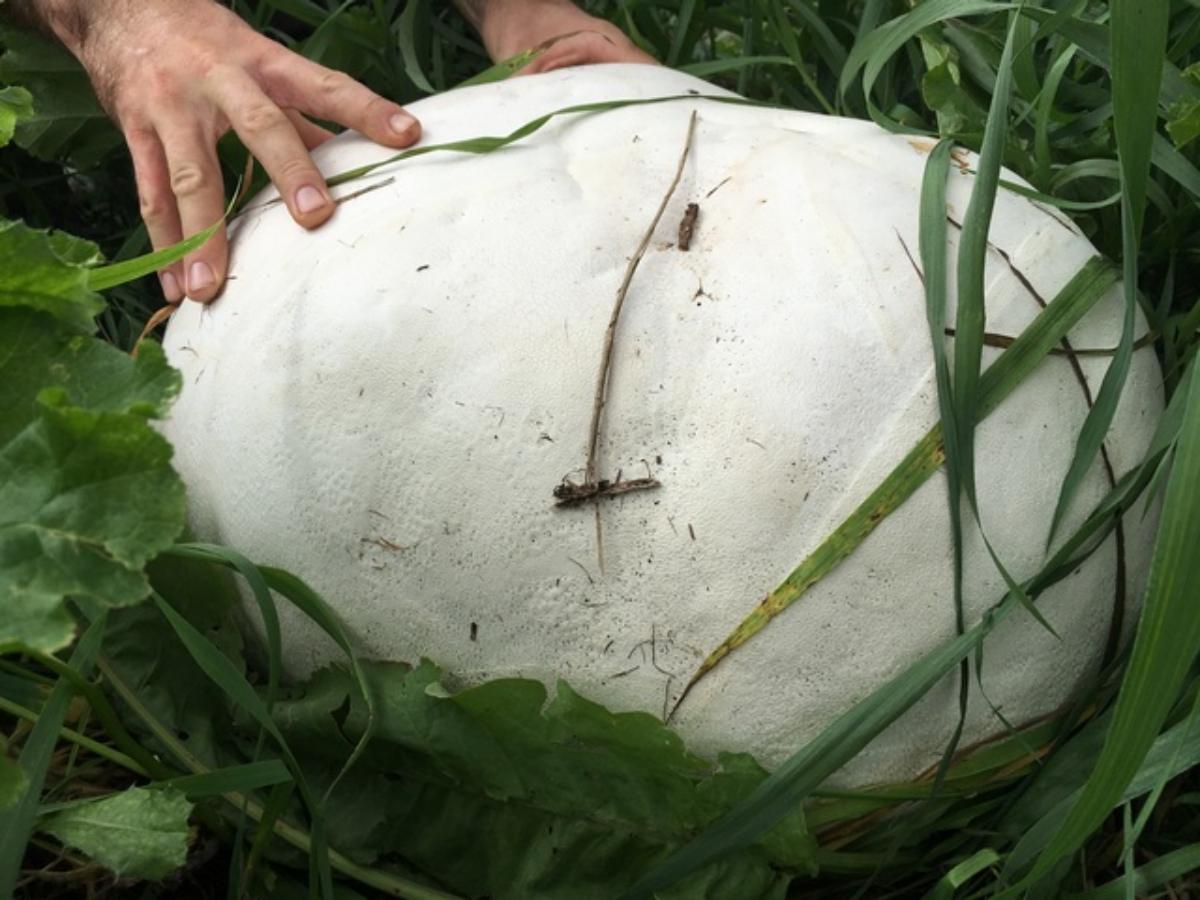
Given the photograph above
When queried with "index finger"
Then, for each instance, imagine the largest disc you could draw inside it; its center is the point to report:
(328, 94)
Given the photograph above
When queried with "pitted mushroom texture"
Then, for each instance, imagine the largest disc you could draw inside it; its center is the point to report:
(385, 406)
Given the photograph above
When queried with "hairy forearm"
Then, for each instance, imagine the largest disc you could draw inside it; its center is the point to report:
(68, 20)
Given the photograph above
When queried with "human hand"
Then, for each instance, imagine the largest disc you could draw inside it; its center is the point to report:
(178, 74)
(570, 36)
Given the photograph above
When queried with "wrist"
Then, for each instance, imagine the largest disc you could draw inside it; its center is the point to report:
(509, 27)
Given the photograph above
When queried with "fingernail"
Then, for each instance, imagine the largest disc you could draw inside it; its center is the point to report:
(309, 199)
(200, 277)
(170, 286)
(401, 122)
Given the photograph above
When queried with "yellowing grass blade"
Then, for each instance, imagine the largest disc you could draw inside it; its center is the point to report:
(1059, 316)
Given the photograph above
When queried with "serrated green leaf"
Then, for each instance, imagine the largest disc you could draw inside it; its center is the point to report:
(16, 104)
(138, 833)
(520, 797)
(86, 499)
(67, 122)
(44, 271)
(96, 376)
(1183, 124)
(942, 92)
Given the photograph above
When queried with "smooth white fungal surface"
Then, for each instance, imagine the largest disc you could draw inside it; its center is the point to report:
(385, 404)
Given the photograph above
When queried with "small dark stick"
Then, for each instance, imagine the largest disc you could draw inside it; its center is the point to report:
(687, 226)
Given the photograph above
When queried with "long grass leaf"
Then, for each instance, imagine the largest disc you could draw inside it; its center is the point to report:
(1138, 36)
(1167, 641)
(949, 883)
(1170, 754)
(217, 666)
(17, 821)
(102, 278)
(263, 579)
(244, 778)
(406, 43)
(1148, 878)
(972, 256)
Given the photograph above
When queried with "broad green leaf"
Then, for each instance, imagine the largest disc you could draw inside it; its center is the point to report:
(872, 51)
(67, 121)
(16, 104)
(1167, 642)
(552, 794)
(942, 91)
(86, 499)
(95, 376)
(44, 271)
(138, 833)
(1183, 118)
(13, 782)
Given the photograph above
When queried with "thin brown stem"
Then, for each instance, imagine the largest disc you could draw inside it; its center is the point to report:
(610, 332)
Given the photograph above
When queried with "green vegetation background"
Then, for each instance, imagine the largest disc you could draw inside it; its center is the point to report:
(375, 780)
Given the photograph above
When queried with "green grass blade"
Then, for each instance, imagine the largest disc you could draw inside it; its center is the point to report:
(102, 278)
(214, 553)
(1171, 754)
(1139, 37)
(717, 66)
(972, 255)
(243, 778)
(406, 42)
(314, 606)
(949, 884)
(970, 324)
(791, 45)
(1148, 878)
(17, 821)
(1173, 163)
(1167, 642)
(1045, 110)
(262, 580)
(932, 242)
(683, 21)
(506, 68)
(217, 666)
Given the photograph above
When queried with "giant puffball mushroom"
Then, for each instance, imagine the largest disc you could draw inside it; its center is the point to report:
(386, 406)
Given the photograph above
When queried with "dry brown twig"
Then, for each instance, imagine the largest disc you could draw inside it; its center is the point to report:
(593, 488)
